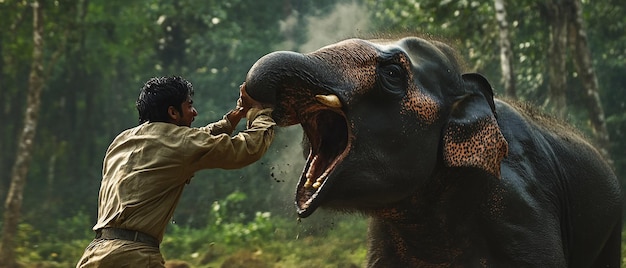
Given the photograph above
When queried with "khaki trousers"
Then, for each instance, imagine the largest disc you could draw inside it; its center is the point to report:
(120, 253)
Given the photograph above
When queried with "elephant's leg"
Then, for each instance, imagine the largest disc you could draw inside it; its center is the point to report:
(610, 254)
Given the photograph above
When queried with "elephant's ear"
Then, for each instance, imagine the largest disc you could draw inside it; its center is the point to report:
(472, 137)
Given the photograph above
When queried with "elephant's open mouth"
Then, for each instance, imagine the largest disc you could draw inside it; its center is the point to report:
(330, 140)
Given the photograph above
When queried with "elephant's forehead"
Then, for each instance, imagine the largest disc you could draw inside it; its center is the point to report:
(349, 54)
(354, 59)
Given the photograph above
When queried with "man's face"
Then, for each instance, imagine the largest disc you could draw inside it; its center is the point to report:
(188, 113)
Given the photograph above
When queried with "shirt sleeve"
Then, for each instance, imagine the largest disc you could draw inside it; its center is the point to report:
(222, 126)
(231, 152)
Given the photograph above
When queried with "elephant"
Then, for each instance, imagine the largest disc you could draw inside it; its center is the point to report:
(447, 174)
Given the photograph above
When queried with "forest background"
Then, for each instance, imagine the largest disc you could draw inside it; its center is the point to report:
(71, 70)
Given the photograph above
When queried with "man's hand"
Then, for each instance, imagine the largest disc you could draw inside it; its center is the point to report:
(246, 101)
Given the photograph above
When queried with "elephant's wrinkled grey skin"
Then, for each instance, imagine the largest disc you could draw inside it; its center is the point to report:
(450, 176)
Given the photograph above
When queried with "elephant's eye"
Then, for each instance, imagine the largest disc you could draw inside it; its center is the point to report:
(392, 78)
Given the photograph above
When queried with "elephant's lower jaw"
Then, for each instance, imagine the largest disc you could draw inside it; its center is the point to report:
(330, 142)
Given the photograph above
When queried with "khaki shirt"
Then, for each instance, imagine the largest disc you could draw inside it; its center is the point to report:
(146, 168)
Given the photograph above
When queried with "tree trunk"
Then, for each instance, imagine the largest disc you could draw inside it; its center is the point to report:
(506, 51)
(582, 61)
(7, 146)
(4, 95)
(19, 171)
(556, 15)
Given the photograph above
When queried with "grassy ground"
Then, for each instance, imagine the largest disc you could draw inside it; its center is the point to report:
(320, 242)
(327, 242)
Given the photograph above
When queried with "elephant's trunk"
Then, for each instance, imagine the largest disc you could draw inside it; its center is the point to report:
(282, 70)
(305, 90)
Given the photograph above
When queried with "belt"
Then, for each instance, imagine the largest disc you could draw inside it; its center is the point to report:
(125, 234)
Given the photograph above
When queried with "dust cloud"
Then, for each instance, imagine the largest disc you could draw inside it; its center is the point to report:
(346, 20)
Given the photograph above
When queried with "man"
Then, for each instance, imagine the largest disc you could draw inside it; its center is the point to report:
(146, 168)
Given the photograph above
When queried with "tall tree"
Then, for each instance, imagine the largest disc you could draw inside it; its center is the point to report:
(19, 171)
(506, 51)
(567, 30)
(11, 64)
(582, 61)
(555, 12)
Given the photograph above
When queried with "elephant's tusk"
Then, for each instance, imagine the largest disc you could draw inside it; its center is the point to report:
(329, 100)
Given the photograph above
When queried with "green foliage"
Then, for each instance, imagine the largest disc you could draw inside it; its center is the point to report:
(342, 245)
(60, 246)
(227, 226)
(27, 238)
(275, 240)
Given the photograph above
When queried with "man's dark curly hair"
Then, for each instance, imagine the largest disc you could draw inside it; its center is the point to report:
(158, 94)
